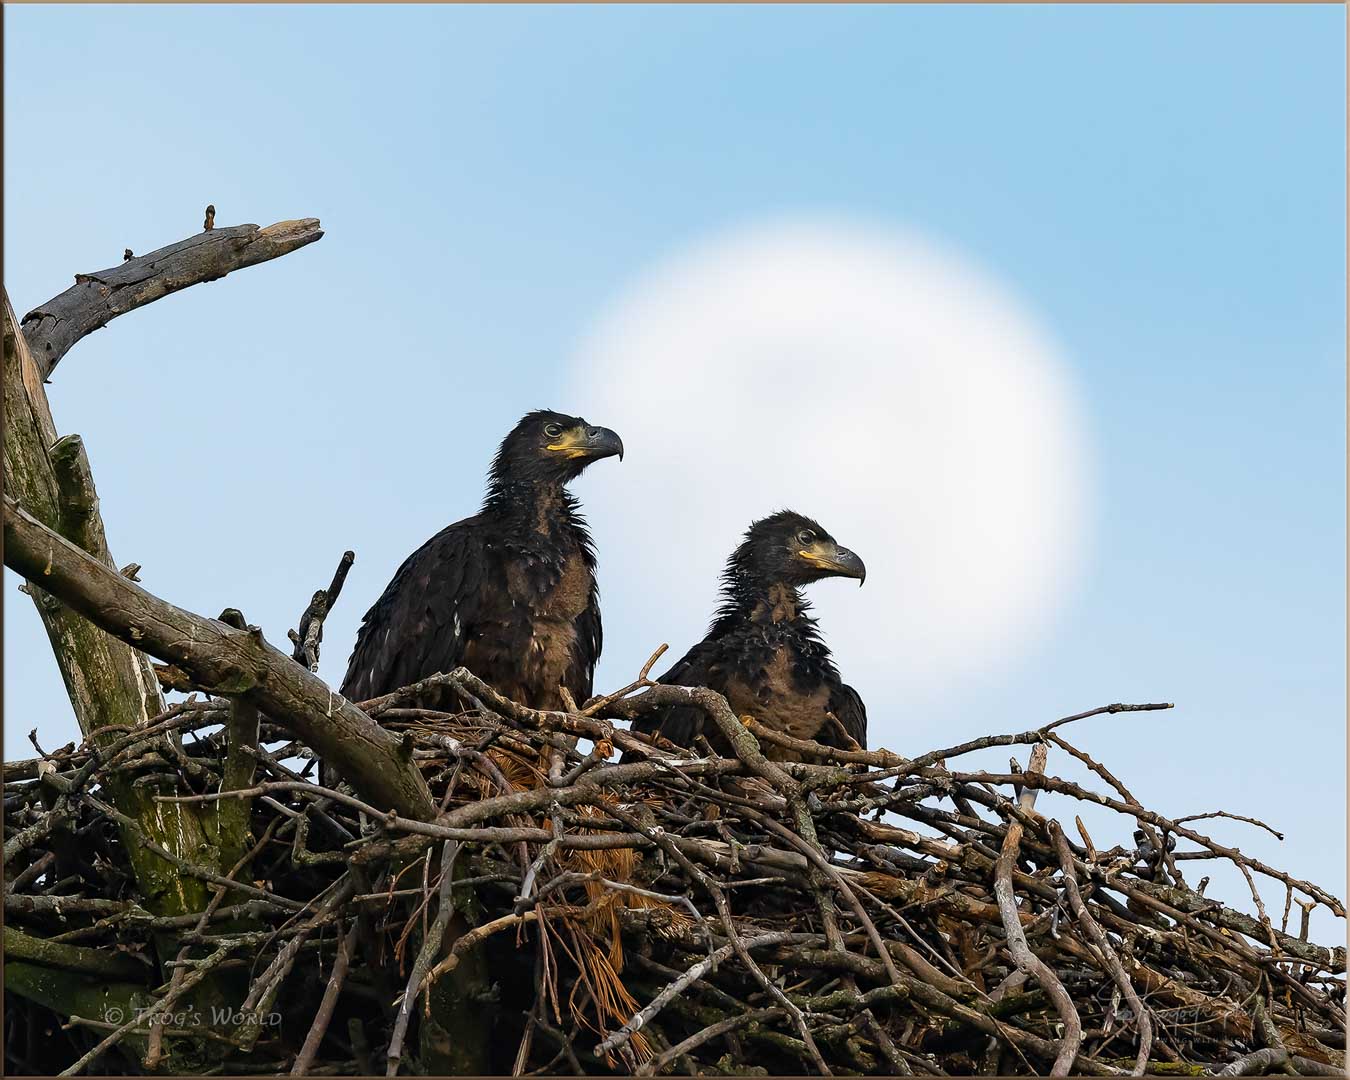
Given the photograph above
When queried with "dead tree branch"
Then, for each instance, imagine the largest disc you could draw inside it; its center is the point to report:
(51, 329)
(237, 663)
(309, 636)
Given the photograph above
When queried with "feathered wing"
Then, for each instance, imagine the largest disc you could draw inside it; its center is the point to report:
(580, 677)
(421, 623)
(682, 723)
(848, 706)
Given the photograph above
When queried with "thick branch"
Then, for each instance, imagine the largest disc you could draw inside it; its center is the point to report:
(229, 661)
(96, 299)
(20, 946)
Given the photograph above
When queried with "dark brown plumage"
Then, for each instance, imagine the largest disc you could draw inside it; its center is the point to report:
(509, 593)
(763, 651)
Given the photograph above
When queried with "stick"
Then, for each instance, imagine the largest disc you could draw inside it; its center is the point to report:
(1026, 960)
(1099, 938)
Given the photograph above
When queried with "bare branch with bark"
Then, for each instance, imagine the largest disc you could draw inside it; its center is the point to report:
(232, 662)
(51, 329)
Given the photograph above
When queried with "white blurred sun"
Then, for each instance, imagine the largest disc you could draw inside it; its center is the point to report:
(865, 377)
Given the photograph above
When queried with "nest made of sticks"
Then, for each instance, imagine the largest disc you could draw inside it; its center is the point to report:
(858, 912)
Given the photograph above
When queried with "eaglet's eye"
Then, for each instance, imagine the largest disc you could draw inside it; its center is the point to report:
(553, 430)
(805, 536)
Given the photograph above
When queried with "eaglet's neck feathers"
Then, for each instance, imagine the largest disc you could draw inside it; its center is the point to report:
(541, 508)
(750, 599)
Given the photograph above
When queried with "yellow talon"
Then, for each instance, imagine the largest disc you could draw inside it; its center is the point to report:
(747, 720)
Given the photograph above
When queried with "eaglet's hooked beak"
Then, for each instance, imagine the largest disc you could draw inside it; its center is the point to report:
(588, 442)
(836, 561)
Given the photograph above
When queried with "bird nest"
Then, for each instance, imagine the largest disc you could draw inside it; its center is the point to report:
(849, 911)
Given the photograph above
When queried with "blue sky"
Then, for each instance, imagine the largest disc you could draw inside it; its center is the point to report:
(1161, 187)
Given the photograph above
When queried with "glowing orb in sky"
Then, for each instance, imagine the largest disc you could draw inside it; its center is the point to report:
(867, 378)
